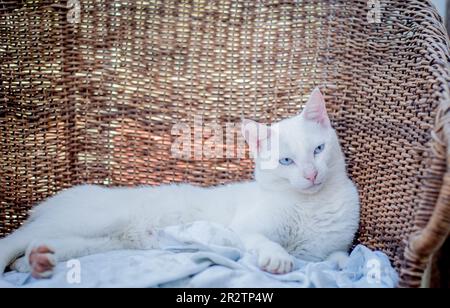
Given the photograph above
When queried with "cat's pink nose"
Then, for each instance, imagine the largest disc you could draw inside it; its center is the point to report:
(311, 175)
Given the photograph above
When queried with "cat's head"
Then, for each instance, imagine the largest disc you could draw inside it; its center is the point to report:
(300, 153)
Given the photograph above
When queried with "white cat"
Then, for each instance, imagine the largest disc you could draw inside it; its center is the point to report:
(306, 206)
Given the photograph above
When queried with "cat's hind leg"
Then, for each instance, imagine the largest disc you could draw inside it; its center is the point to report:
(42, 260)
(39, 259)
(42, 256)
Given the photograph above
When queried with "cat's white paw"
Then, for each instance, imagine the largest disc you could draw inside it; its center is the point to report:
(21, 265)
(42, 261)
(275, 262)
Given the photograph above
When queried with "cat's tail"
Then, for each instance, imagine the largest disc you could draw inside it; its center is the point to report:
(13, 246)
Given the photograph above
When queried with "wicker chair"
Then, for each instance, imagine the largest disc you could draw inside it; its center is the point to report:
(91, 89)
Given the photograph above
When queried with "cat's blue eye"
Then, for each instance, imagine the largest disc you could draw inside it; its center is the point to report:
(319, 149)
(286, 161)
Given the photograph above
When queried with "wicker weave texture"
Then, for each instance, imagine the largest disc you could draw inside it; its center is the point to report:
(93, 98)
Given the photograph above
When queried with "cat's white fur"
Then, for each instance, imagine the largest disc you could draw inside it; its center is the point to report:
(279, 215)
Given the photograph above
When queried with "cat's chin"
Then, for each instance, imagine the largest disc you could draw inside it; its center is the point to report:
(311, 190)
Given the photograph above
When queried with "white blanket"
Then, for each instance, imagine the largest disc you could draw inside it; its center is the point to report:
(202, 254)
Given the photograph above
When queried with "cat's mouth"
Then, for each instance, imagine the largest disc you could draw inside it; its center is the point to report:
(316, 185)
(313, 188)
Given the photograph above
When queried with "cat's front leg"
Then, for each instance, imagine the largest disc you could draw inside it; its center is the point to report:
(272, 257)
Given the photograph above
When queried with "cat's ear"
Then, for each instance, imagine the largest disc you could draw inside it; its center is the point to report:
(254, 134)
(316, 110)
